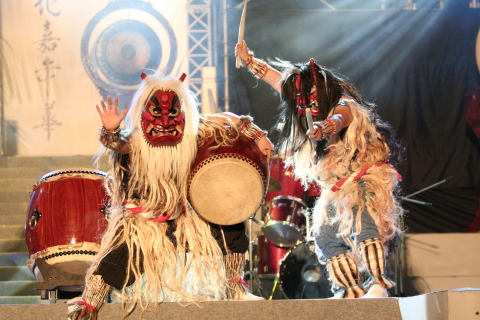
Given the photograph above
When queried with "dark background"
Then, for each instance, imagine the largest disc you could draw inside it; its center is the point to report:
(418, 66)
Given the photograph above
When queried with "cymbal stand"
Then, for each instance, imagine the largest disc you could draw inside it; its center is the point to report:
(251, 241)
(398, 268)
(307, 214)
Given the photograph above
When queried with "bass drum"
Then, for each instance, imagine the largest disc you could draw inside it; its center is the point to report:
(302, 276)
(269, 257)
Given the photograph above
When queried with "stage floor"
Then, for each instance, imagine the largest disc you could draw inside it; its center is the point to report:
(461, 304)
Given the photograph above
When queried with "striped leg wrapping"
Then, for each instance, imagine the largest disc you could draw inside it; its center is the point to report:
(373, 255)
(344, 273)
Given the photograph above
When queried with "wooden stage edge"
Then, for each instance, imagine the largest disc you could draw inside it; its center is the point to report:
(443, 305)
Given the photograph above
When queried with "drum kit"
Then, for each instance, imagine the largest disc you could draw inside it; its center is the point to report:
(284, 250)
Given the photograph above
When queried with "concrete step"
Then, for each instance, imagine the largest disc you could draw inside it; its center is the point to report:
(14, 216)
(13, 245)
(15, 196)
(47, 162)
(12, 231)
(16, 184)
(23, 300)
(19, 288)
(33, 173)
(16, 274)
(12, 259)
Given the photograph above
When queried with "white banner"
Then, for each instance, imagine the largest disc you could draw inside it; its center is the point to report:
(61, 57)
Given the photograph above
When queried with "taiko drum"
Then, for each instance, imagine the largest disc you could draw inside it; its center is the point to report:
(227, 184)
(66, 217)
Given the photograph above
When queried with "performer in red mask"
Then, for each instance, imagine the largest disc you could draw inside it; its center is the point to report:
(332, 137)
(156, 247)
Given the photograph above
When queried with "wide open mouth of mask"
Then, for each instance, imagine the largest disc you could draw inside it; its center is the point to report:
(163, 119)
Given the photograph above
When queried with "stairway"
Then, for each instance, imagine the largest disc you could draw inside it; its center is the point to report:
(17, 176)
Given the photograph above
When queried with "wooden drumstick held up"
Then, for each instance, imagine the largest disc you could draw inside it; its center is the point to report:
(308, 114)
(241, 31)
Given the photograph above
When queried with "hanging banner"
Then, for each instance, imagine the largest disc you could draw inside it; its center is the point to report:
(60, 58)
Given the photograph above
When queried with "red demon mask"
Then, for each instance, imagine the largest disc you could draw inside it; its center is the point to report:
(310, 101)
(163, 120)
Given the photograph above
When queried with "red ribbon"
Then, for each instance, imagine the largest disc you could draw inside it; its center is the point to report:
(340, 183)
(164, 217)
(238, 281)
(87, 306)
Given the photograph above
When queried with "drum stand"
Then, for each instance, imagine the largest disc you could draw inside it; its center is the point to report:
(54, 279)
(253, 281)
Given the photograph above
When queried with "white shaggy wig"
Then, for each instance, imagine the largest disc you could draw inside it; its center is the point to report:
(160, 173)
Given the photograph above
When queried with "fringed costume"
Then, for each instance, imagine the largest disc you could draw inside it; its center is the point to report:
(357, 204)
(156, 248)
(356, 218)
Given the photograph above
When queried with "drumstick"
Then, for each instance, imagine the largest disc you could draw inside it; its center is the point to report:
(308, 113)
(241, 30)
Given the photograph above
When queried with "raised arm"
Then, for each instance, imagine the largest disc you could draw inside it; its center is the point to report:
(341, 117)
(258, 67)
(110, 135)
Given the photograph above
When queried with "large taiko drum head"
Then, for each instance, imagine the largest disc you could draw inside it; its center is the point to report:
(66, 218)
(227, 184)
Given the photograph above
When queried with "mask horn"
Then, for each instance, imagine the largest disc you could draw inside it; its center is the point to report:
(143, 76)
(314, 72)
(182, 77)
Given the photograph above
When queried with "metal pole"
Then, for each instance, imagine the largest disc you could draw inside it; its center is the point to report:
(250, 254)
(2, 115)
(225, 57)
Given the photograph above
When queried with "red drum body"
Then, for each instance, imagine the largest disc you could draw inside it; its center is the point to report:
(269, 257)
(285, 222)
(290, 186)
(302, 276)
(227, 185)
(66, 219)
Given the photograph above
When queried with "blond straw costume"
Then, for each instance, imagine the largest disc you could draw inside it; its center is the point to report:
(356, 218)
(359, 148)
(156, 248)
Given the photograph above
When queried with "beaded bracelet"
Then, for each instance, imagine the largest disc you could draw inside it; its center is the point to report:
(259, 68)
(333, 125)
(256, 66)
(250, 129)
(249, 60)
(110, 139)
(328, 128)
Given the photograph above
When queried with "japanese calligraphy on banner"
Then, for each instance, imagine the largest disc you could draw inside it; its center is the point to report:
(61, 57)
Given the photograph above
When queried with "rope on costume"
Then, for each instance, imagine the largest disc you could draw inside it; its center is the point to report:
(355, 176)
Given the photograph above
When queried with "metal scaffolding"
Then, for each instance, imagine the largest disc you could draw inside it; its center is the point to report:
(200, 49)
